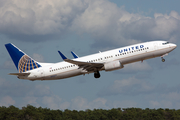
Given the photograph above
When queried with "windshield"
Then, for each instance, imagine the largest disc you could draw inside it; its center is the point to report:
(165, 43)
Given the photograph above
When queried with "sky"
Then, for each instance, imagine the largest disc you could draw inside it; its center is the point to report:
(41, 27)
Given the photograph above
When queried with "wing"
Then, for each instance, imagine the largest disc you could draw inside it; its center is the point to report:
(85, 65)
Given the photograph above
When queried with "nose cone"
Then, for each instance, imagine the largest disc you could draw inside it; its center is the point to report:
(173, 46)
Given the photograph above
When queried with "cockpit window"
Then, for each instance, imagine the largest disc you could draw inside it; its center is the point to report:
(165, 43)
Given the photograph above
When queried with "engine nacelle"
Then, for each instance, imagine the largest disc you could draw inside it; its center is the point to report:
(114, 65)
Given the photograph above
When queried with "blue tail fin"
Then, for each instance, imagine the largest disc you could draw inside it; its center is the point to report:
(22, 61)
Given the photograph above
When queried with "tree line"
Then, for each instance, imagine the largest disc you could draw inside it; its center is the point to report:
(32, 113)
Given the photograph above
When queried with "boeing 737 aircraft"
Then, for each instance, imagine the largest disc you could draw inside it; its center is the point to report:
(108, 61)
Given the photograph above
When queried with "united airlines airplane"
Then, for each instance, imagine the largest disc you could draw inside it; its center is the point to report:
(108, 61)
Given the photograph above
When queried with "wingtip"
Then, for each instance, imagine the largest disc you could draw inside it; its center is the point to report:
(74, 55)
(63, 57)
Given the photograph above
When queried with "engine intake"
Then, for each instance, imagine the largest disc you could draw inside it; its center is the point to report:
(114, 65)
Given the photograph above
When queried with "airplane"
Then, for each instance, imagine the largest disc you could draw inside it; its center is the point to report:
(109, 60)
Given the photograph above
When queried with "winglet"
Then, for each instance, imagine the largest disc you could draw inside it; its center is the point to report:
(63, 57)
(74, 54)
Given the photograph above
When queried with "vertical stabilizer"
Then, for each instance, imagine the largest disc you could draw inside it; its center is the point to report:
(22, 61)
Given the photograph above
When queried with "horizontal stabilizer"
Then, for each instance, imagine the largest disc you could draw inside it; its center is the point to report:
(19, 74)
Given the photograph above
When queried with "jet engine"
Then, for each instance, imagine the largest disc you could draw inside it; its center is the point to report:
(114, 65)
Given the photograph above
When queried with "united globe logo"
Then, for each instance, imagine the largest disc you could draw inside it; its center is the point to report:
(26, 63)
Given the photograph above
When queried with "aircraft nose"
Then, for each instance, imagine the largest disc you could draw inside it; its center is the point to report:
(173, 46)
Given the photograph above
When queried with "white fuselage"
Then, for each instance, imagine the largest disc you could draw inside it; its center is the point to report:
(125, 55)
